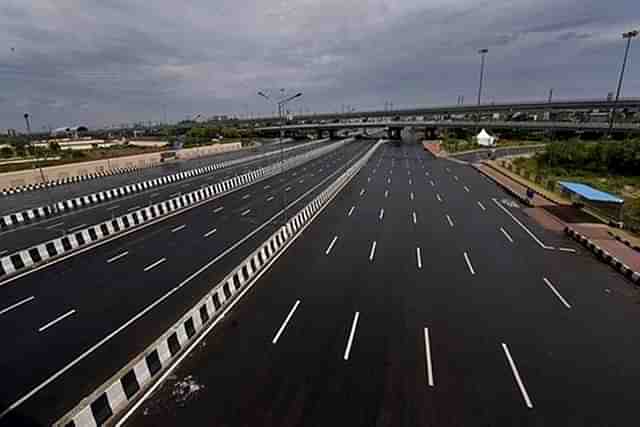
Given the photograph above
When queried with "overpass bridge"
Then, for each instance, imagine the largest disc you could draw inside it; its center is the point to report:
(430, 127)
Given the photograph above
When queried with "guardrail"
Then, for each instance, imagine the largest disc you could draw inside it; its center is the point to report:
(34, 214)
(50, 250)
(150, 366)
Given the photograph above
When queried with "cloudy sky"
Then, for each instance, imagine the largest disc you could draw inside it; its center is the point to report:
(105, 62)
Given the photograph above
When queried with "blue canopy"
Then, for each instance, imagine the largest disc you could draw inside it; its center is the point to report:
(590, 193)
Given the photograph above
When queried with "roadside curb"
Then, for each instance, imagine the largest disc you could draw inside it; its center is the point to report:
(40, 255)
(32, 215)
(522, 199)
(604, 256)
(625, 241)
(149, 367)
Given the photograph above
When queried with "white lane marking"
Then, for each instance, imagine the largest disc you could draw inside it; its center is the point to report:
(432, 183)
(301, 181)
(450, 221)
(426, 173)
(517, 221)
(246, 196)
(555, 291)
(113, 208)
(415, 219)
(270, 198)
(151, 196)
(354, 324)
(333, 242)
(54, 225)
(286, 320)
(427, 352)
(506, 234)
(155, 264)
(438, 197)
(373, 251)
(210, 232)
(567, 250)
(386, 193)
(466, 258)
(388, 180)
(351, 210)
(361, 192)
(287, 189)
(16, 305)
(419, 257)
(466, 189)
(245, 212)
(216, 210)
(135, 208)
(369, 179)
(516, 375)
(411, 195)
(178, 228)
(266, 187)
(117, 257)
(174, 195)
(381, 215)
(455, 177)
(72, 229)
(410, 181)
(481, 206)
(56, 320)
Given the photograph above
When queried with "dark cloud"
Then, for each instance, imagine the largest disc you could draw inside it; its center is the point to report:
(110, 62)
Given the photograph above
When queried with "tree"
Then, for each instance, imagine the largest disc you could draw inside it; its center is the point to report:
(6, 152)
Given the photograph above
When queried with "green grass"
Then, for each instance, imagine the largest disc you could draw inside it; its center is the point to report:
(627, 187)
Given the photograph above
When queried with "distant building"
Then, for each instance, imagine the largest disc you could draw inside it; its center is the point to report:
(71, 132)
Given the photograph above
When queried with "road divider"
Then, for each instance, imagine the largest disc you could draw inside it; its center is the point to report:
(33, 215)
(128, 388)
(604, 256)
(38, 256)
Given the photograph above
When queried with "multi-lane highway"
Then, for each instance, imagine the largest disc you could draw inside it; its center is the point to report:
(24, 236)
(423, 295)
(75, 323)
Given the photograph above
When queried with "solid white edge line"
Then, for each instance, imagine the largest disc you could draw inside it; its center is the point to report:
(466, 258)
(542, 245)
(506, 234)
(16, 305)
(193, 345)
(354, 325)
(56, 320)
(117, 257)
(72, 229)
(373, 251)
(155, 264)
(555, 291)
(284, 324)
(54, 225)
(516, 375)
(427, 351)
(419, 257)
(333, 242)
(573, 251)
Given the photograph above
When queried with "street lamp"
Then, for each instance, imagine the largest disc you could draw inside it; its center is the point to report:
(628, 35)
(483, 53)
(281, 103)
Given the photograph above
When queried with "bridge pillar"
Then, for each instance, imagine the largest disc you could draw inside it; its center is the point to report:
(395, 133)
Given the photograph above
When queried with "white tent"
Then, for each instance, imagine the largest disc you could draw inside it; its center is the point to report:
(485, 139)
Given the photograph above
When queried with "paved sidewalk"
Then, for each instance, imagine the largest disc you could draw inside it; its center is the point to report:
(557, 216)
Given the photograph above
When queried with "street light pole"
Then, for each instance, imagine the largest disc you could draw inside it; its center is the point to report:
(483, 53)
(628, 35)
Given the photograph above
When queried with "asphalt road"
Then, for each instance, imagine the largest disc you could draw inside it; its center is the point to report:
(31, 199)
(486, 328)
(151, 276)
(31, 234)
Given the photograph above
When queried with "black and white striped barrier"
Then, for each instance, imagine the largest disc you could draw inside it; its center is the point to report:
(44, 252)
(68, 180)
(122, 389)
(625, 241)
(604, 256)
(34, 214)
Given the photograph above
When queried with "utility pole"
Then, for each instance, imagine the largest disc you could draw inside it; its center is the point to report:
(628, 35)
